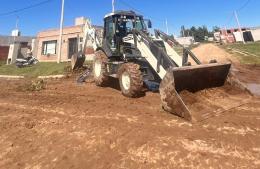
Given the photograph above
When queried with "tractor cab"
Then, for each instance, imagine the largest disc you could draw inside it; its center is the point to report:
(118, 25)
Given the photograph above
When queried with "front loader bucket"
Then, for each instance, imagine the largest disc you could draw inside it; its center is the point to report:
(193, 79)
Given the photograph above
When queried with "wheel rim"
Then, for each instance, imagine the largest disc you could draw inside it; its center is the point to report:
(126, 81)
(97, 68)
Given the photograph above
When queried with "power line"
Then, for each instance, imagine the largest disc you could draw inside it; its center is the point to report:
(139, 11)
(229, 19)
(239, 9)
(150, 17)
(130, 6)
(25, 8)
(244, 5)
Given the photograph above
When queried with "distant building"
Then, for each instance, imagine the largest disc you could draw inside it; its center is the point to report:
(185, 41)
(7, 41)
(4, 47)
(217, 36)
(227, 35)
(210, 39)
(72, 39)
(255, 31)
(234, 35)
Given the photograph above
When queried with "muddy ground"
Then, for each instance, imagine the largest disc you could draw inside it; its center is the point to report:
(84, 126)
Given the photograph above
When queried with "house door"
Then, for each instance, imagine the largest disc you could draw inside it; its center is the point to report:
(73, 47)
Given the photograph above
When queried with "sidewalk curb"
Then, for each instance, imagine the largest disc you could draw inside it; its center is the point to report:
(52, 77)
(11, 77)
(8, 77)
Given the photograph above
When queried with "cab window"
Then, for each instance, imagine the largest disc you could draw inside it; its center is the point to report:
(109, 34)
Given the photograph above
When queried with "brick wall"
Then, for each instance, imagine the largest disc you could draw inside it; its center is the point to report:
(4, 52)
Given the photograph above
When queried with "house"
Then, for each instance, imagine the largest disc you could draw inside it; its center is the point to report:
(230, 35)
(255, 31)
(234, 35)
(4, 48)
(7, 42)
(72, 39)
(217, 36)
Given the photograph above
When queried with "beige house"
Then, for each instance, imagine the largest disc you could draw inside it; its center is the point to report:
(48, 41)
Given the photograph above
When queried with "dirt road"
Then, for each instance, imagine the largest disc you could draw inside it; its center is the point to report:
(83, 126)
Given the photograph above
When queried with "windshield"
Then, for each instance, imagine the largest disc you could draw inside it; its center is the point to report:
(140, 25)
(130, 23)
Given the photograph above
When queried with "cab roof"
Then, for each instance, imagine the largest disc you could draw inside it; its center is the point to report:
(127, 13)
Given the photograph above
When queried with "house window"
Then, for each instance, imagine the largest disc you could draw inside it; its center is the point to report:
(49, 47)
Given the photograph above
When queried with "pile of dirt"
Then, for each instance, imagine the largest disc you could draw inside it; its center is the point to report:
(208, 52)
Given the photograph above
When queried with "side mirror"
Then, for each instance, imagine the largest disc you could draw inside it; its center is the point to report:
(149, 24)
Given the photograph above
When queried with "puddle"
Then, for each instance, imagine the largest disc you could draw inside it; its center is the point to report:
(254, 88)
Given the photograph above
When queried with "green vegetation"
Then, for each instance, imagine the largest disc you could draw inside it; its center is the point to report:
(179, 50)
(34, 85)
(199, 33)
(40, 69)
(247, 53)
(2, 62)
(253, 48)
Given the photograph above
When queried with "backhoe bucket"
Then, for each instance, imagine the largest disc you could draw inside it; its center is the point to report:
(192, 79)
(77, 60)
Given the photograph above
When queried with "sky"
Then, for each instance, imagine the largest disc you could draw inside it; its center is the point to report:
(177, 12)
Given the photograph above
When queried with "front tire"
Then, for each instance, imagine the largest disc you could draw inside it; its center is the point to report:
(130, 80)
(99, 68)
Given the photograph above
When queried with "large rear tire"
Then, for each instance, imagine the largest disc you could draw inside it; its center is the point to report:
(130, 80)
(99, 68)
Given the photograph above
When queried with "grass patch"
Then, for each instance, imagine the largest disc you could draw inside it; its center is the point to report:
(250, 48)
(34, 85)
(2, 62)
(40, 69)
(249, 60)
(178, 49)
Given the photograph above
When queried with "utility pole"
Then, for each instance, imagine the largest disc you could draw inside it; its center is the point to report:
(61, 31)
(239, 27)
(113, 5)
(17, 22)
(16, 27)
(167, 29)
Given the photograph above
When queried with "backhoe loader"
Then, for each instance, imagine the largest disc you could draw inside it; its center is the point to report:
(127, 51)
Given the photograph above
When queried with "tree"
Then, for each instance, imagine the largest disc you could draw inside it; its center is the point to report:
(215, 29)
(182, 31)
(199, 33)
